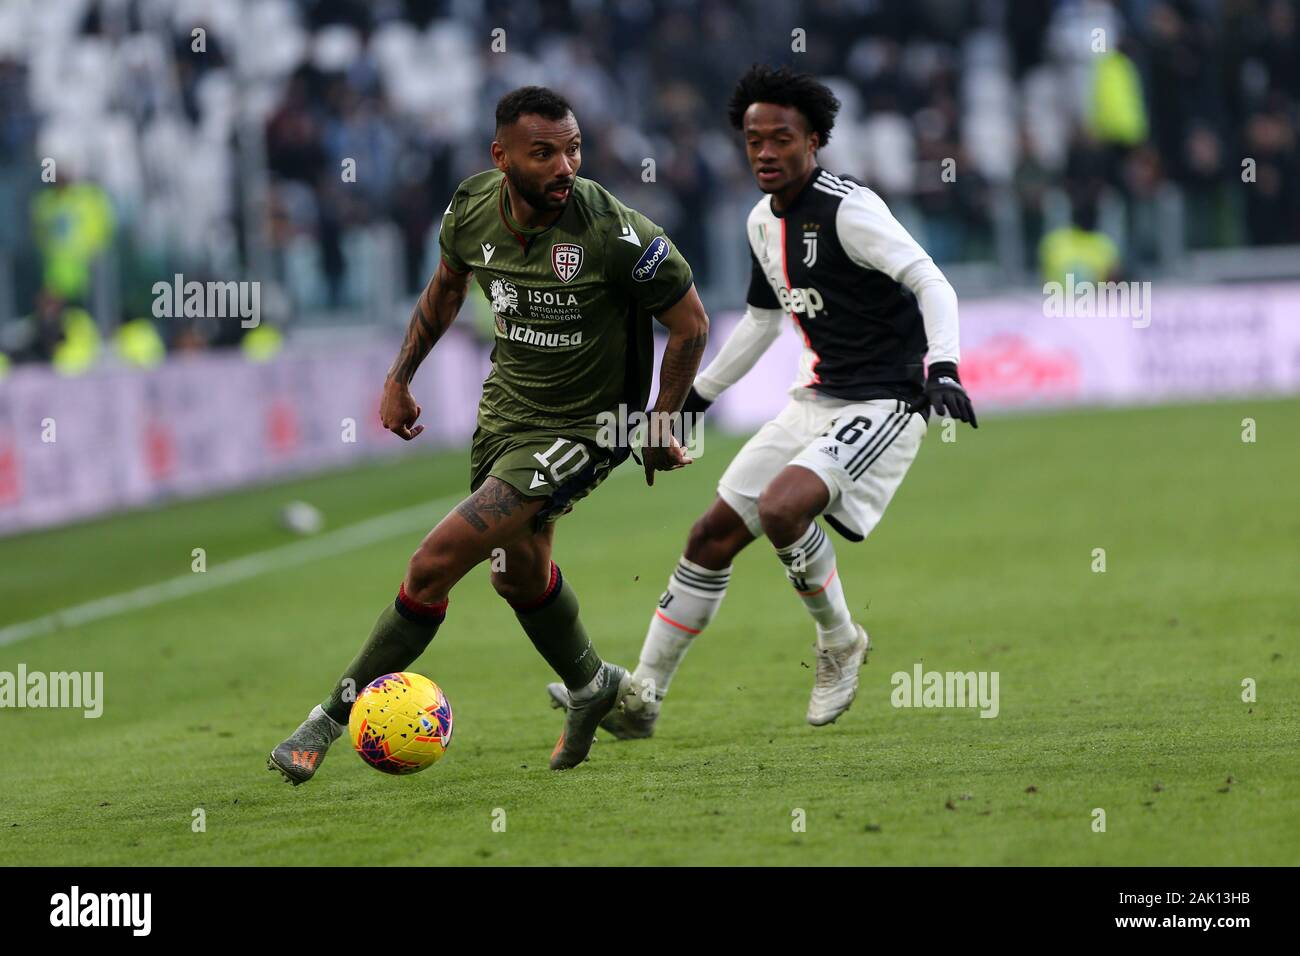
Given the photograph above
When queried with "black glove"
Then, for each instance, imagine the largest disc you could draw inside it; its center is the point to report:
(943, 391)
(695, 406)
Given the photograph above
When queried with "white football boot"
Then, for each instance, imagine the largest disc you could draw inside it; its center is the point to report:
(837, 679)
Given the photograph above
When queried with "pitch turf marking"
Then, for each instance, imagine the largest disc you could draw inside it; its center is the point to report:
(350, 538)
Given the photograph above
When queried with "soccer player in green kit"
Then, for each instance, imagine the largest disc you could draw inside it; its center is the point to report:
(574, 277)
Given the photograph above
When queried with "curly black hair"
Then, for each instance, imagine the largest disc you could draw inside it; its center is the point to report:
(538, 100)
(784, 87)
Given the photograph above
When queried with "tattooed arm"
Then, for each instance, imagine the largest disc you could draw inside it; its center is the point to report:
(688, 331)
(433, 313)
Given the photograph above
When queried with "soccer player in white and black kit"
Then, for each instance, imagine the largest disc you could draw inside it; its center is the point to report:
(869, 304)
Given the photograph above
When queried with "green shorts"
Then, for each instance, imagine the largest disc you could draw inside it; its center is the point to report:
(542, 464)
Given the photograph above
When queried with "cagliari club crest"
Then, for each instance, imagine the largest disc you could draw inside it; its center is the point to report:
(566, 259)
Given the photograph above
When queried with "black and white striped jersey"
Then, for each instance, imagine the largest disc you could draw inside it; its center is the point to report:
(850, 276)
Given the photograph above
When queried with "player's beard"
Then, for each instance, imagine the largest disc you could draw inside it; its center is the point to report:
(536, 196)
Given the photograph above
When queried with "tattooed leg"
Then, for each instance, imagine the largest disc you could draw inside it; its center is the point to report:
(493, 503)
(495, 516)
(492, 517)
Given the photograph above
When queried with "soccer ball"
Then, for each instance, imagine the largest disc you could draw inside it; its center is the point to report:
(401, 723)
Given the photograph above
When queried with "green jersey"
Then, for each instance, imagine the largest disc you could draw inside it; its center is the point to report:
(572, 303)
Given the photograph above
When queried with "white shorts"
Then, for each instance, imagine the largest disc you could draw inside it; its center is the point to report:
(861, 450)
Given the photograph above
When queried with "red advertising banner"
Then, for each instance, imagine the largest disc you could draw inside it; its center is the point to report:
(75, 447)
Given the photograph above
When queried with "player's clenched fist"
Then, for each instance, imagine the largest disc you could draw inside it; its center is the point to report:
(398, 411)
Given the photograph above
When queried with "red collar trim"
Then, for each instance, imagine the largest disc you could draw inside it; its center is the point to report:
(505, 221)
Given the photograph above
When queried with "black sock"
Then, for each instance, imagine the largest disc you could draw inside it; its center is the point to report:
(551, 622)
(401, 634)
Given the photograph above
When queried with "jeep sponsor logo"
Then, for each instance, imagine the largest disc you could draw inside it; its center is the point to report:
(536, 338)
(648, 264)
(806, 302)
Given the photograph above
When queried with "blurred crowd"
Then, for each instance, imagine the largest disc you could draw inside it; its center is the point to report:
(313, 144)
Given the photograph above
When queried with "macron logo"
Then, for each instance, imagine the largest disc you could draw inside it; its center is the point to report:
(629, 235)
(488, 249)
(103, 909)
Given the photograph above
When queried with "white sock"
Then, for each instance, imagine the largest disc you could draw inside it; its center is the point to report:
(690, 602)
(810, 566)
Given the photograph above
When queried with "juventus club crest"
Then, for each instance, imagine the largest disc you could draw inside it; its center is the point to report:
(566, 259)
(809, 247)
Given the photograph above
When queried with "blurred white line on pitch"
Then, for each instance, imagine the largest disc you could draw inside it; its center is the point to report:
(370, 531)
(354, 536)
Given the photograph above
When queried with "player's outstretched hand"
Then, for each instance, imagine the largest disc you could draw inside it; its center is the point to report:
(663, 456)
(398, 411)
(944, 392)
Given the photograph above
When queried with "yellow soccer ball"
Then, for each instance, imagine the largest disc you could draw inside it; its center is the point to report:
(401, 723)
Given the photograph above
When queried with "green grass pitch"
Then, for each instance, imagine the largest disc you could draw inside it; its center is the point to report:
(1119, 690)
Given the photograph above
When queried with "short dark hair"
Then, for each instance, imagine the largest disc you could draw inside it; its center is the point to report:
(531, 99)
(784, 87)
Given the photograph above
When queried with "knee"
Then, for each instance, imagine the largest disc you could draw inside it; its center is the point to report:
(782, 519)
(430, 574)
(700, 541)
(518, 586)
(711, 544)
